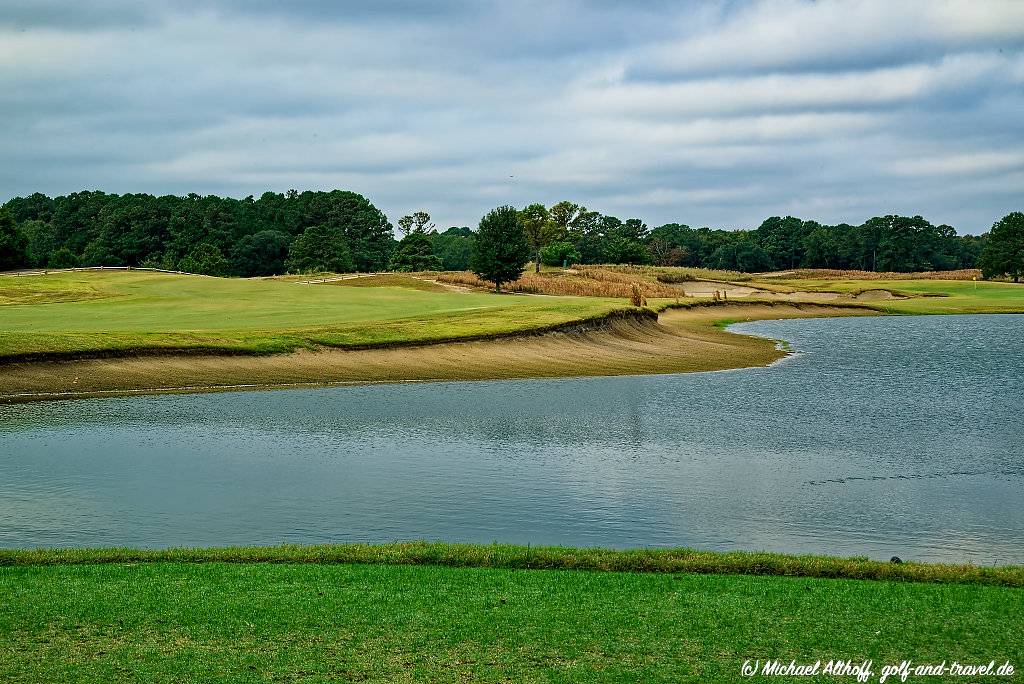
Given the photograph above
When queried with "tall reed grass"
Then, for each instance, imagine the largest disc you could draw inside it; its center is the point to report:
(579, 281)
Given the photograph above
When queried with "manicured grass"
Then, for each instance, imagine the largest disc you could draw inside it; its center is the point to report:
(114, 311)
(246, 622)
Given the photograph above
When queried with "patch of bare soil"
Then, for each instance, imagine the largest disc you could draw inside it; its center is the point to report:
(876, 295)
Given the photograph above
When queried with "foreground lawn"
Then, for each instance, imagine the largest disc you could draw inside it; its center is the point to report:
(78, 312)
(170, 622)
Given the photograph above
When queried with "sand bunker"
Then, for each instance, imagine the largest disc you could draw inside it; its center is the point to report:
(876, 295)
(705, 288)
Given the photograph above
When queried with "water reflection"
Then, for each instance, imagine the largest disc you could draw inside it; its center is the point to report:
(884, 437)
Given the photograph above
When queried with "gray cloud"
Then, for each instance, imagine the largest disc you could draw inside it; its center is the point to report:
(710, 114)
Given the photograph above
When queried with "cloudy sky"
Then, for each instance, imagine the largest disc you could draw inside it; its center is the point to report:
(711, 113)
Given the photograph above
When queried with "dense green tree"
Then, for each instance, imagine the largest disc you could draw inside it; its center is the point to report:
(782, 240)
(746, 256)
(320, 248)
(13, 243)
(539, 230)
(41, 241)
(262, 253)
(35, 207)
(618, 249)
(562, 253)
(674, 244)
(366, 229)
(500, 251)
(204, 259)
(454, 248)
(415, 253)
(62, 258)
(138, 229)
(829, 247)
(567, 220)
(98, 253)
(1004, 253)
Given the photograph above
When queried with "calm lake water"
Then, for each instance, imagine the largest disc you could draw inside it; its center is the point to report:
(882, 436)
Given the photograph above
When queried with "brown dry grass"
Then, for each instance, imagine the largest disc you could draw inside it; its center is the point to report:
(681, 340)
(835, 274)
(579, 281)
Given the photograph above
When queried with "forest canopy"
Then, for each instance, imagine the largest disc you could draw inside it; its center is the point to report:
(313, 230)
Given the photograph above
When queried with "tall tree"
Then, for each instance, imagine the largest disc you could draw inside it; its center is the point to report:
(566, 219)
(1004, 253)
(416, 222)
(537, 226)
(500, 250)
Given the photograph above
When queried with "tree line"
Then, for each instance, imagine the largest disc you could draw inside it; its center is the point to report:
(343, 231)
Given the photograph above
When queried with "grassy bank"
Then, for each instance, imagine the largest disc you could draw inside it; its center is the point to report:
(81, 334)
(924, 296)
(169, 621)
(679, 341)
(511, 557)
(120, 312)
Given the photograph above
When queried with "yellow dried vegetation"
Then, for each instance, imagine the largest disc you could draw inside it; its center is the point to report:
(578, 281)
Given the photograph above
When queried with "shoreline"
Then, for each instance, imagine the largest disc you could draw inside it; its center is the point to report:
(678, 339)
(516, 557)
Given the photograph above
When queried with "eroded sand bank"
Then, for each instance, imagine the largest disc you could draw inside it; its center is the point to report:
(681, 340)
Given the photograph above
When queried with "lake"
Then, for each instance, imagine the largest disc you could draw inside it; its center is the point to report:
(882, 436)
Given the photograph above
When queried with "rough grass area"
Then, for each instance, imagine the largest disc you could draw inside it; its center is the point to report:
(578, 281)
(246, 622)
(135, 312)
(538, 558)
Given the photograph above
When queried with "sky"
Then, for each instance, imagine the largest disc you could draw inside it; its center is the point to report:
(709, 113)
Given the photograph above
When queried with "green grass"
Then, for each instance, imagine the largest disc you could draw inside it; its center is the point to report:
(247, 622)
(538, 558)
(924, 296)
(86, 312)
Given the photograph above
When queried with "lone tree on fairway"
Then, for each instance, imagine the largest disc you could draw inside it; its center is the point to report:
(500, 250)
(1004, 253)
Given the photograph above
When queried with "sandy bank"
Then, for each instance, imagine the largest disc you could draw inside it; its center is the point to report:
(679, 341)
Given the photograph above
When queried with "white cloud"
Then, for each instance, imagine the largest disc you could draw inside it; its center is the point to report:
(717, 114)
(782, 34)
(961, 164)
